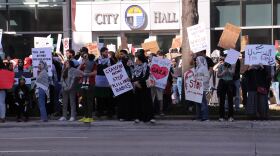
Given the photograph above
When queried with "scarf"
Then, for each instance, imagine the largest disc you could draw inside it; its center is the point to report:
(139, 69)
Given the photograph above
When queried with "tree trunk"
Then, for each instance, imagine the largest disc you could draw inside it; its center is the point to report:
(189, 17)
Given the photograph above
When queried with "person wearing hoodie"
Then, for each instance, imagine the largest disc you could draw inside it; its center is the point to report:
(69, 91)
(22, 99)
(202, 73)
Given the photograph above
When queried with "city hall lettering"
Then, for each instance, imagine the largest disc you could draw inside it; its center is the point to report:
(161, 17)
(106, 19)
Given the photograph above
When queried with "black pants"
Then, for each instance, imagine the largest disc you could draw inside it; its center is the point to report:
(244, 84)
(105, 106)
(88, 101)
(226, 89)
(22, 110)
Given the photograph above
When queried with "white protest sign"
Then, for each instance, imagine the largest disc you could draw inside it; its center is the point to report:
(43, 42)
(111, 47)
(193, 87)
(197, 37)
(58, 43)
(118, 79)
(159, 71)
(65, 45)
(232, 56)
(260, 54)
(44, 54)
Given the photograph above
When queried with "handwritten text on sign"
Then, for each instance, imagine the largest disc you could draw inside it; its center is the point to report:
(160, 71)
(44, 54)
(118, 79)
(197, 37)
(193, 87)
(260, 54)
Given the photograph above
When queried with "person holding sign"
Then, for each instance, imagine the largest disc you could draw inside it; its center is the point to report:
(202, 73)
(225, 88)
(143, 103)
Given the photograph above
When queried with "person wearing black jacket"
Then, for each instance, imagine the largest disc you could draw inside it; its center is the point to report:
(22, 99)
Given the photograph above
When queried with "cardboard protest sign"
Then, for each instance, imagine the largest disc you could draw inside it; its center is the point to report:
(260, 54)
(118, 79)
(43, 42)
(65, 44)
(193, 87)
(44, 54)
(176, 42)
(244, 42)
(150, 46)
(7, 79)
(112, 47)
(232, 56)
(58, 43)
(93, 49)
(197, 37)
(229, 36)
(159, 71)
(172, 55)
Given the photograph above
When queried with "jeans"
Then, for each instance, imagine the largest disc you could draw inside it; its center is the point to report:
(2, 104)
(179, 86)
(237, 94)
(42, 104)
(175, 93)
(57, 89)
(202, 111)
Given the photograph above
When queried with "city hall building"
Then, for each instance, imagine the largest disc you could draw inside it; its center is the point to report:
(105, 21)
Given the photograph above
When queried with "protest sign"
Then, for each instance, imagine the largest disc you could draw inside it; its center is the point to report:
(7, 79)
(93, 49)
(159, 71)
(65, 45)
(197, 37)
(118, 79)
(44, 54)
(112, 47)
(232, 56)
(58, 43)
(260, 54)
(1, 47)
(193, 87)
(229, 36)
(43, 42)
(244, 42)
(150, 46)
(176, 42)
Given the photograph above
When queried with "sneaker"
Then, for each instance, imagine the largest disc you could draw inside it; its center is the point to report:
(231, 119)
(121, 120)
(88, 120)
(62, 119)
(82, 119)
(153, 121)
(136, 121)
(221, 119)
(72, 119)
(205, 120)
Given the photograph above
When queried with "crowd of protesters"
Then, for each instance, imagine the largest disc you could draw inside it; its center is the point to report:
(79, 81)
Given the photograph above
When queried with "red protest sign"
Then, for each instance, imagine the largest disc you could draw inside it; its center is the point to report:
(7, 79)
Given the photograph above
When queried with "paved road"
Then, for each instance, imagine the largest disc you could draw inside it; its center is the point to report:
(166, 138)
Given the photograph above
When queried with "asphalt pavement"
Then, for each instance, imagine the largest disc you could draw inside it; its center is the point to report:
(165, 138)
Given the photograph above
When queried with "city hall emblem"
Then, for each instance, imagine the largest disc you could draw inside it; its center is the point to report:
(135, 17)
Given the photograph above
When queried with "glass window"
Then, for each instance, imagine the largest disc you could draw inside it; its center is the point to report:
(276, 34)
(3, 17)
(225, 11)
(22, 18)
(258, 36)
(277, 8)
(46, 20)
(136, 39)
(165, 42)
(257, 13)
(108, 40)
(215, 37)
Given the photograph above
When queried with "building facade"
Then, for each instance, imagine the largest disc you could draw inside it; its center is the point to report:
(105, 21)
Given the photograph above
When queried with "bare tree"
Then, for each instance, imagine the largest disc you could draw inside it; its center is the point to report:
(189, 17)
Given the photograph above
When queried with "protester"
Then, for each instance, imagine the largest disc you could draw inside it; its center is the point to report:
(143, 101)
(42, 89)
(103, 92)
(125, 100)
(70, 54)
(69, 82)
(28, 64)
(22, 100)
(236, 81)
(225, 88)
(88, 67)
(2, 97)
(202, 73)
(174, 96)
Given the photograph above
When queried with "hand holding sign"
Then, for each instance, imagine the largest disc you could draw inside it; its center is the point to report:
(160, 71)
